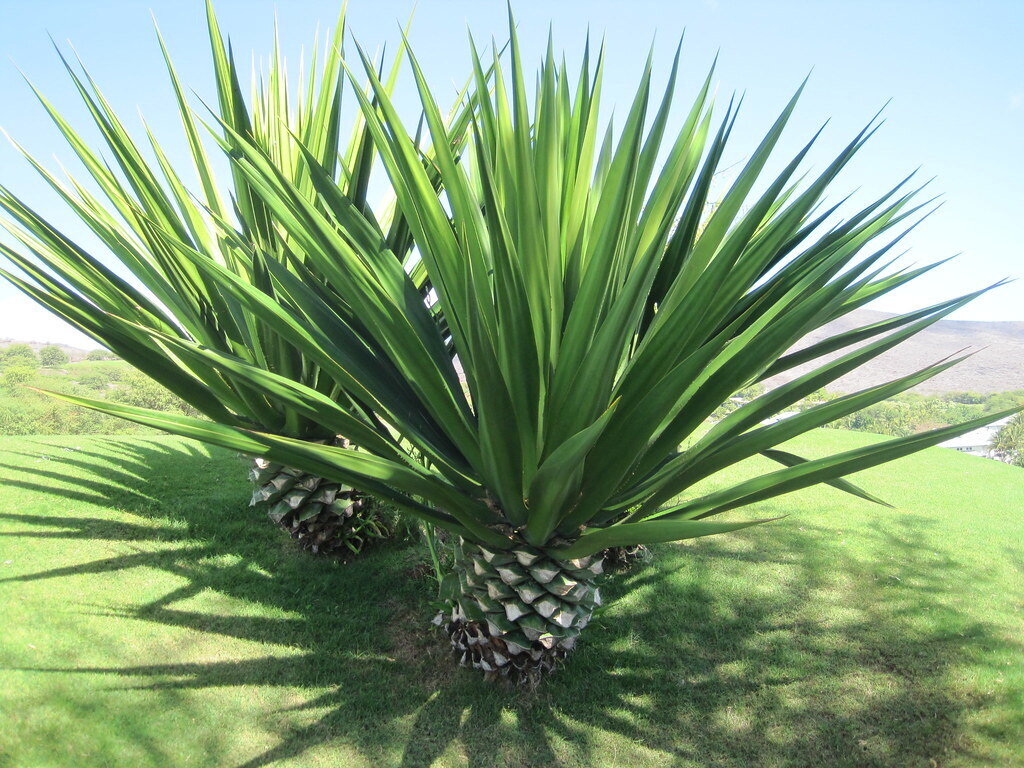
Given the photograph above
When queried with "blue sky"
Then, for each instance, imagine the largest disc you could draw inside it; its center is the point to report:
(954, 72)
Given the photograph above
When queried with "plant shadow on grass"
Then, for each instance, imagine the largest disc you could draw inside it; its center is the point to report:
(679, 673)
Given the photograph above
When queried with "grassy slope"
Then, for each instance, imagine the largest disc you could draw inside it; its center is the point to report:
(149, 619)
(76, 370)
(23, 412)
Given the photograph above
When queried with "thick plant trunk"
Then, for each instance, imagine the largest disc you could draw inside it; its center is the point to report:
(516, 614)
(324, 516)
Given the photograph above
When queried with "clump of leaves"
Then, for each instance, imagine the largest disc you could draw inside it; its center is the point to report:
(537, 382)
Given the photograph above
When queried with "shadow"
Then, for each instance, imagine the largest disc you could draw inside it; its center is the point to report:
(765, 648)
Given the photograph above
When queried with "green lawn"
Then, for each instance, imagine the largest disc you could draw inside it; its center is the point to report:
(150, 619)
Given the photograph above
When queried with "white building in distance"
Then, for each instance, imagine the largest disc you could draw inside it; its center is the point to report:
(977, 442)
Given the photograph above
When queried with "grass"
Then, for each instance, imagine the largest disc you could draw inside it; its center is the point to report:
(151, 619)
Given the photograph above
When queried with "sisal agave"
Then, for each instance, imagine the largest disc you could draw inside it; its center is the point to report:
(550, 396)
(148, 216)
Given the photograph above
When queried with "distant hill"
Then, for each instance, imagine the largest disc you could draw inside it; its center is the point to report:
(997, 366)
(74, 353)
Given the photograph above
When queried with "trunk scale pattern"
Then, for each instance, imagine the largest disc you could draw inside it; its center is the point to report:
(516, 614)
(324, 516)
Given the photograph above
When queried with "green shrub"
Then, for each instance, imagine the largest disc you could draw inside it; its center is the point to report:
(912, 412)
(137, 389)
(94, 380)
(15, 418)
(20, 355)
(97, 378)
(24, 412)
(52, 356)
(101, 354)
(54, 419)
(14, 376)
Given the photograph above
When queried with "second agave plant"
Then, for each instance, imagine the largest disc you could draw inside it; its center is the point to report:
(149, 217)
(550, 398)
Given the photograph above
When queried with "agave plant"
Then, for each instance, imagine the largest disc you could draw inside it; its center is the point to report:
(549, 397)
(149, 214)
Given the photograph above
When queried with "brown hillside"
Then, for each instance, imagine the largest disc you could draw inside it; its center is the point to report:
(997, 366)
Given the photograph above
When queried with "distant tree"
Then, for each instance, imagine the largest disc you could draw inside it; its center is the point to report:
(967, 398)
(749, 393)
(100, 379)
(1001, 401)
(19, 355)
(51, 356)
(889, 417)
(1008, 444)
(100, 354)
(137, 389)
